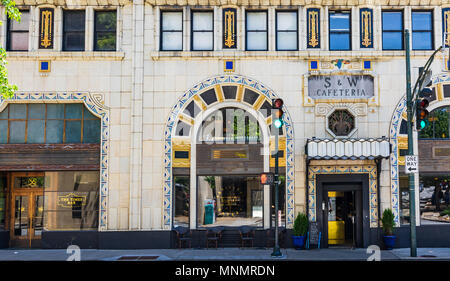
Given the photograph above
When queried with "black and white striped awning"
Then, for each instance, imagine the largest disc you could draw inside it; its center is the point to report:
(347, 149)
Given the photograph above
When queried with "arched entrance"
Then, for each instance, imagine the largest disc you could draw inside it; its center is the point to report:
(399, 142)
(186, 123)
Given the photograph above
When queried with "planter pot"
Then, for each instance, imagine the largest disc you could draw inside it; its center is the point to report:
(389, 241)
(299, 241)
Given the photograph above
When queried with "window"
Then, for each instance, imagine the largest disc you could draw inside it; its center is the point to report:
(181, 201)
(202, 31)
(18, 33)
(340, 30)
(73, 31)
(422, 30)
(48, 123)
(171, 31)
(105, 31)
(392, 22)
(256, 31)
(287, 31)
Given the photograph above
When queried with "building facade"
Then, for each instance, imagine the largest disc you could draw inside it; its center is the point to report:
(135, 117)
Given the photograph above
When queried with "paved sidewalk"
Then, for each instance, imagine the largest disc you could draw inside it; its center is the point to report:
(224, 254)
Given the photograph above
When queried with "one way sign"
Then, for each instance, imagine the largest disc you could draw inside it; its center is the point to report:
(411, 164)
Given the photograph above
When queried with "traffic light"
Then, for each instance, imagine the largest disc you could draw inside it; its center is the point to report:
(421, 111)
(266, 178)
(277, 112)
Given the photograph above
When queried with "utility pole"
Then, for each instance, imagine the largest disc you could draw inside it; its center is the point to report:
(409, 107)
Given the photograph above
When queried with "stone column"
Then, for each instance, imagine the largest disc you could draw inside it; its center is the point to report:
(136, 115)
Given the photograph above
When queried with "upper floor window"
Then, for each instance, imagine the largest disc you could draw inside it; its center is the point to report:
(202, 31)
(340, 30)
(17, 38)
(73, 30)
(392, 24)
(256, 31)
(422, 30)
(105, 31)
(286, 30)
(48, 123)
(171, 31)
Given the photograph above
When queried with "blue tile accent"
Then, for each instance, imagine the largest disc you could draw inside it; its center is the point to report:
(44, 65)
(229, 65)
(313, 65)
(367, 64)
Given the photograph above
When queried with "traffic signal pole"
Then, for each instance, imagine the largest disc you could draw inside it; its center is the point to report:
(409, 107)
(276, 248)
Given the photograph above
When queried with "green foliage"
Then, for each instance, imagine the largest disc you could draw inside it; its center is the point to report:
(388, 222)
(301, 224)
(446, 212)
(7, 90)
(211, 181)
(438, 125)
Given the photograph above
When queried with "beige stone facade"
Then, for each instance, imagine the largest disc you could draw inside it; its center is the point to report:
(139, 85)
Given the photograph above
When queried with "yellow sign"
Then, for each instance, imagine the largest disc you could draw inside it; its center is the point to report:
(70, 200)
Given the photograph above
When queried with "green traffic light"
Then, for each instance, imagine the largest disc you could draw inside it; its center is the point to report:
(423, 124)
(278, 123)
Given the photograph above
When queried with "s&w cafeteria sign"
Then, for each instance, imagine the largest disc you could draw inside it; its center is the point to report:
(340, 86)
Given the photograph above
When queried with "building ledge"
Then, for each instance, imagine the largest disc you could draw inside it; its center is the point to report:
(56, 55)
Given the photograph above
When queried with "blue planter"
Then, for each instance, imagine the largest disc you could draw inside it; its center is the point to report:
(389, 241)
(299, 241)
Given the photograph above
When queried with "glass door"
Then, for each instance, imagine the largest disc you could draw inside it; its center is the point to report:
(27, 209)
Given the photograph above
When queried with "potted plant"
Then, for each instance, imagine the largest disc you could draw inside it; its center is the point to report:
(388, 228)
(300, 229)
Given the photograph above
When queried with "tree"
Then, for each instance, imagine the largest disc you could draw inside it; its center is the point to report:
(7, 90)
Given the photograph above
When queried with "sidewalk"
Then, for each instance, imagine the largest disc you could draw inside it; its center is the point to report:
(223, 254)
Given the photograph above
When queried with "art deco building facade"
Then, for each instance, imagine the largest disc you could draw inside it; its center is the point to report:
(135, 117)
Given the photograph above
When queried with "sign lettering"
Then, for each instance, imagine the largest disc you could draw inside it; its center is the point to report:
(340, 87)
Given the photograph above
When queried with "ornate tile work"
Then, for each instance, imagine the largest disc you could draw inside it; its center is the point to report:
(95, 107)
(394, 133)
(366, 27)
(371, 170)
(169, 132)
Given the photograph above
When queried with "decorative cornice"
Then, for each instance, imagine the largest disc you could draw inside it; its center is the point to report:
(237, 2)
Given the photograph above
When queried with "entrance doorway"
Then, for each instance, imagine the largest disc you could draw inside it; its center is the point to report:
(27, 209)
(342, 215)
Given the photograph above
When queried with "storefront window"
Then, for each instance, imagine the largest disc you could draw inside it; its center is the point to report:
(2, 200)
(229, 201)
(434, 198)
(404, 196)
(181, 203)
(71, 200)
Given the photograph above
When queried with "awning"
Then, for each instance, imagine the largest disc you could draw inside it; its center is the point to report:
(351, 149)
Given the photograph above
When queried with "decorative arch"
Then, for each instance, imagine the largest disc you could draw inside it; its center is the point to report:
(194, 95)
(94, 103)
(399, 140)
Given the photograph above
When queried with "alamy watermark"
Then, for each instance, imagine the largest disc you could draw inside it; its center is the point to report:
(74, 253)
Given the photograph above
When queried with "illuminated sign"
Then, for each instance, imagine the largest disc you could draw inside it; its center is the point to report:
(71, 200)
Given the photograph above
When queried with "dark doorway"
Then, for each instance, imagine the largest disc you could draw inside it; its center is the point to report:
(342, 215)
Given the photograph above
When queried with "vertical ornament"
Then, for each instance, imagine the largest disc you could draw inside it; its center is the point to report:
(313, 27)
(366, 28)
(46, 28)
(445, 26)
(229, 28)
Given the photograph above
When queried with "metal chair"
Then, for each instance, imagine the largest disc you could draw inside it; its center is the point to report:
(247, 235)
(184, 234)
(214, 235)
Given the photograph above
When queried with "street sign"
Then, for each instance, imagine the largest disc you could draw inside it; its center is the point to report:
(411, 164)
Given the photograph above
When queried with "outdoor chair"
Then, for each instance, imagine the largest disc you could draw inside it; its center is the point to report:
(247, 235)
(213, 235)
(184, 234)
